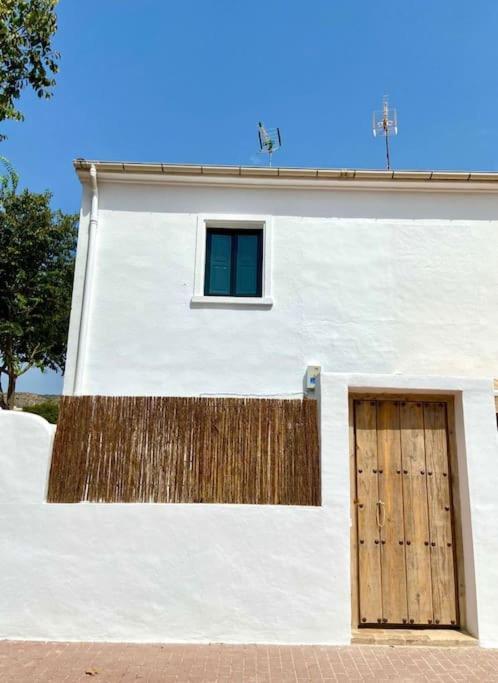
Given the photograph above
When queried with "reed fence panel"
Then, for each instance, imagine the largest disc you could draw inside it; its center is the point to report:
(185, 450)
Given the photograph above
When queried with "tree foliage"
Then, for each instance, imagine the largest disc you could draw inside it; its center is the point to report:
(47, 409)
(26, 54)
(37, 248)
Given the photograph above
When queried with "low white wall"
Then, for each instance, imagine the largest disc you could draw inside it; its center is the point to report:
(176, 573)
(226, 573)
(25, 446)
(198, 573)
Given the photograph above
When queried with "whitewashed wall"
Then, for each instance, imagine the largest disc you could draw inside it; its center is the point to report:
(221, 573)
(398, 286)
(382, 282)
(159, 573)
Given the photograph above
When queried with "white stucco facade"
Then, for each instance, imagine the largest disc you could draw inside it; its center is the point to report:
(368, 278)
(389, 286)
(223, 573)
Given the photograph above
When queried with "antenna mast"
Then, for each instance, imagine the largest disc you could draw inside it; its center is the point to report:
(385, 123)
(269, 140)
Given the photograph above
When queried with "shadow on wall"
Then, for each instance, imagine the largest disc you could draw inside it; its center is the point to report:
(324, 203)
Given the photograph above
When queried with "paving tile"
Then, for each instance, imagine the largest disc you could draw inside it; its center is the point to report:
(33, 662)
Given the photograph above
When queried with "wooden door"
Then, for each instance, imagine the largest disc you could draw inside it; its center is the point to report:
(406, 558)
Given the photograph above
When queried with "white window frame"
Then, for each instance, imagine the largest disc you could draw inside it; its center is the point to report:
(238, 222)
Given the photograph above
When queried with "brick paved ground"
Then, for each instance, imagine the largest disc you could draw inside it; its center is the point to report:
(107, 663)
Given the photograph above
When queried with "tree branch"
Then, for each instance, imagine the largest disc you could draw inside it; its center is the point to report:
(30, 362)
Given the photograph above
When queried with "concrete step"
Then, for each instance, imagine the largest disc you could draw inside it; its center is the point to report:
(424, 637)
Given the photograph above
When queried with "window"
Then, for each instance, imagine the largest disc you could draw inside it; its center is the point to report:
(234, 262)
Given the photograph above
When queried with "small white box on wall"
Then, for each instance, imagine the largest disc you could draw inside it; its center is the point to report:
(312, 374)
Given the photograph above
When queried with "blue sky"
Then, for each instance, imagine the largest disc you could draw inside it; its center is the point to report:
(188, 81)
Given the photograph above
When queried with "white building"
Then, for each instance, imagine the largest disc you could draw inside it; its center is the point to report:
(363, 272)
(232, 281)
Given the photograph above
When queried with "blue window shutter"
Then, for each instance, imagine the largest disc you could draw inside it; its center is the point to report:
(247, 276)
(218, 264)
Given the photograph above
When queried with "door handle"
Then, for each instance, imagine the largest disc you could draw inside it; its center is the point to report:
(380, 514)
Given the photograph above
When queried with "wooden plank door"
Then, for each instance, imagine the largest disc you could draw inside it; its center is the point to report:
(440, 514)
(368, 495)
(406, 565)
(416, 517)
(391, 522)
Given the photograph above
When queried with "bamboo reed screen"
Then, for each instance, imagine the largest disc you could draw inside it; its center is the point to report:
(185, 450)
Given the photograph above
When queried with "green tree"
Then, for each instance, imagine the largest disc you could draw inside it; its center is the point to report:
(26, 54)
(37, 250)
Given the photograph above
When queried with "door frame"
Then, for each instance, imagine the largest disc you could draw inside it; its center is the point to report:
(455, 501)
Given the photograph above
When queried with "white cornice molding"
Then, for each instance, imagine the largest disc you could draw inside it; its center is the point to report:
(307, 179)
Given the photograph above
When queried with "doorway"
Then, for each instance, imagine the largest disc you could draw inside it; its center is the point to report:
(406, 568)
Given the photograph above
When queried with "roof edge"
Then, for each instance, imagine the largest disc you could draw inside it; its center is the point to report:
(82, 166)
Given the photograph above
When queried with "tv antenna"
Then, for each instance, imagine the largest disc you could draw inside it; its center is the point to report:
(385, 123)
(269, 140)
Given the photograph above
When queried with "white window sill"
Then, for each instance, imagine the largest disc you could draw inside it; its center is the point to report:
(234, 300)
